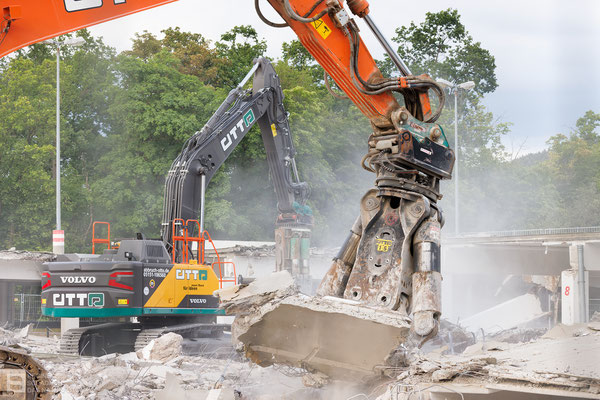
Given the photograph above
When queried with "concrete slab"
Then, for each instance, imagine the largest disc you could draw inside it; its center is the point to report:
(338, 337)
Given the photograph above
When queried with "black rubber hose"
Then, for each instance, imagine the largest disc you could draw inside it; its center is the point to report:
(265, 20)
(294, 15)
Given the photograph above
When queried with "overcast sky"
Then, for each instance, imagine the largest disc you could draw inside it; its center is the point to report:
(547, 51)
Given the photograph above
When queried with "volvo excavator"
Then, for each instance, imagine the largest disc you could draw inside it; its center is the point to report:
(168, 284)
(390, 260)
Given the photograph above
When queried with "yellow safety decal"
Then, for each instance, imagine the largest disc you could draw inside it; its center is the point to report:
(321, 27)
(274, 130)
(123, 302)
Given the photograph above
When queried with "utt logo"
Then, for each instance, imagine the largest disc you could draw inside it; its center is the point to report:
(95, 300)
(242, 125)
(187, 274)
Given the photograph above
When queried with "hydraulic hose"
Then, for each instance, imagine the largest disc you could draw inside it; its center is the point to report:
(265, 20)
(305, 19)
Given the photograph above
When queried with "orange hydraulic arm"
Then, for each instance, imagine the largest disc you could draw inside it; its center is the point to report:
(323, 27)
(25, 22)
(331, 36)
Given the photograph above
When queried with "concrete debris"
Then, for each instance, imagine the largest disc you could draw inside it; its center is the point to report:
(112, 378)
(164, 348)
(317, 380)
(242, 298)
(519, 311)
(254, 251)
(26, 255)
(322, 334)
(24, 332)
(202, 377)
(7, 338)
(451, 338)
(174, 389)
(595, 317)
(561, 363)
(595, 325)
(561, 331)
(564, 362)
(518, 335)
(549, 282)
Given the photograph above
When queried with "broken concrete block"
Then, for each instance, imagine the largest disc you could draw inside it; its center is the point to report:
(595, 325)
(129, 357)
(276, 324)
(221, 394)
(173, 390)
(66, 395)
(443, 375)
(112, 377)
(238, 299)
(512, 313)
(164, 348)
(24, 332)
(316, 380)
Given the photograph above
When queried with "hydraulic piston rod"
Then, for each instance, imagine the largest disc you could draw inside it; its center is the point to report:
(386, 45)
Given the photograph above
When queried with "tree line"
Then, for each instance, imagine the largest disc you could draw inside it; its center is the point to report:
(124, 118)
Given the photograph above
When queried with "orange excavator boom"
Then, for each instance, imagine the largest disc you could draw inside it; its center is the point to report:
(25, 22)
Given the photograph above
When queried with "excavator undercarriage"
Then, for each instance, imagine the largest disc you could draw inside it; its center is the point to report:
(22, 377)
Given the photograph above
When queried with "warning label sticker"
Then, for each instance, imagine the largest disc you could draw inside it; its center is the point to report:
(322, 28)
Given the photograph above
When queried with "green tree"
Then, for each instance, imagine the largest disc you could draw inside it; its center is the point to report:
(574, 164)
(192, 49)
(442, 47)
(238, 47)
(27, 154)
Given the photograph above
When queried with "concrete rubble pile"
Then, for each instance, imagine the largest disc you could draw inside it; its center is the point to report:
(562, 362)
(160, 371)
(301, 348)
(12, 254)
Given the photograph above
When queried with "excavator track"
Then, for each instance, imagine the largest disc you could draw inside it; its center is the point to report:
(98, 340)
(22, 377)
(101, 339)
(69, 342)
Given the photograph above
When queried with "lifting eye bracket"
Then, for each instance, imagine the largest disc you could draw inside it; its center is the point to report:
(11, 13)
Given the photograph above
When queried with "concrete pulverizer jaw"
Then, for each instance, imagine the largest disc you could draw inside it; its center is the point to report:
(426, 304)
(382, 271)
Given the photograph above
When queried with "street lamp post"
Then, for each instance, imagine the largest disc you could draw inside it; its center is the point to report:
(58, 243)
(466, 86)
(58, 235)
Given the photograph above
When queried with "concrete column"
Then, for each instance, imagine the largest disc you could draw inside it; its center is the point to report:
(575, 303)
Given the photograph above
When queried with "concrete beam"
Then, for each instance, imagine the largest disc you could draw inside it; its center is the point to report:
(517, 259)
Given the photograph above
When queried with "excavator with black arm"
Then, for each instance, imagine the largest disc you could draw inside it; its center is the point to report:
(207, 149)
(168, 285)
(390, 261)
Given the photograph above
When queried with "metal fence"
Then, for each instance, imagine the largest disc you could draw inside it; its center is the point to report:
(26, 309)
